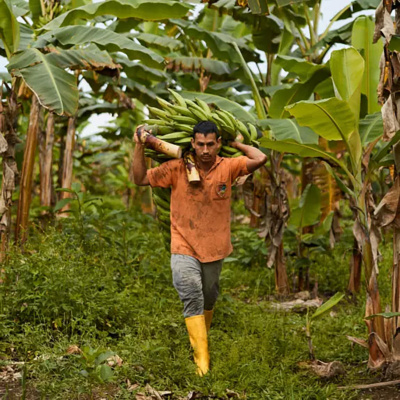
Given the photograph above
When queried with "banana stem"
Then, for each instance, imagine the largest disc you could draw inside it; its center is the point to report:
(334, 19)
(256, 94)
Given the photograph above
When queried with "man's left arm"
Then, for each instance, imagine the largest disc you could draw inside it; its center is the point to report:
(255, 157)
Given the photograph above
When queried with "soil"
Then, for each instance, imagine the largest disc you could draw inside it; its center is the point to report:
(389, 393)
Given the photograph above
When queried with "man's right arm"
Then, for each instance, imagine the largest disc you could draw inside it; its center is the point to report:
(139, 163)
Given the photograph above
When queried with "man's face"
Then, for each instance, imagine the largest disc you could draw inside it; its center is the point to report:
(206, 147)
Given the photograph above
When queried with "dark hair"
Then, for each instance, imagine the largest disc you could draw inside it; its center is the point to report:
(206, 127)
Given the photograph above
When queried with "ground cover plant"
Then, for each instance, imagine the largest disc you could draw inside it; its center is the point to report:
(86, 300)
(71, 302)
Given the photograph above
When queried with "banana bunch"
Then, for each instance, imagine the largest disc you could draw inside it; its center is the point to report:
(162, 200)
(173, 123)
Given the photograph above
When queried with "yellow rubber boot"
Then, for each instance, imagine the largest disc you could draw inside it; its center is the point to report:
(208, 315)
(196, 327)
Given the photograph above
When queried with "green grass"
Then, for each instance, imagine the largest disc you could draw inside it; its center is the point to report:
(109, 287)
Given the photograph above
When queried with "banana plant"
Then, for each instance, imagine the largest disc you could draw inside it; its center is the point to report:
(43, 62)
(321, 310)
(337, 119)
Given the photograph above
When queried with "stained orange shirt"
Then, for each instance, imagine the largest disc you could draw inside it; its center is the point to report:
(200, 213)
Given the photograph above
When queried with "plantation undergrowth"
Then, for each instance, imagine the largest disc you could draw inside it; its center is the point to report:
(101, 287)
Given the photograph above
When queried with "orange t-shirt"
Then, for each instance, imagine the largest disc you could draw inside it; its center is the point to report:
(200, 213)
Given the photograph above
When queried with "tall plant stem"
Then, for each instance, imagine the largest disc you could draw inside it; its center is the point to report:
(396, 279)
(333, 20)
(8, 128)
(317, 16)
(309, 24)
(66, 181)
(46, 161)
(27, 172)
(257, 98)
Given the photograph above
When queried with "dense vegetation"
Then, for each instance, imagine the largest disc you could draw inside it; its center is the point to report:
(87, 305)
(98, 284)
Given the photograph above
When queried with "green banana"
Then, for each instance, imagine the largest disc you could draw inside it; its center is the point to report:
(161, 202)
(229, 117)
(182, 119)
(190, 103)
(253, 132)
(179, 99)
(175, 136)
(204, 106)
(159, 113)
(181, 110)
(229, 149)
(164, 104)
(163, 130)
(165, 194)
(226, 119)
(185, 140)
(182, 127)
(163, 213)
(162, 217)
(241, 127)
(159, 122)
(198, 114)
(218, 121)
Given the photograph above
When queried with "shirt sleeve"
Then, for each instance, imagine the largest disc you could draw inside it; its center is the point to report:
(160, 176)
(238, 167)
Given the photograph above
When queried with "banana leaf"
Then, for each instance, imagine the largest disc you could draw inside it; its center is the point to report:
(284, 129)
(9, 28)
(105, 39)
(152, 10)
(55, 88)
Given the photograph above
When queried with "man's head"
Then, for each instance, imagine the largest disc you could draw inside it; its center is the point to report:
(206, 141)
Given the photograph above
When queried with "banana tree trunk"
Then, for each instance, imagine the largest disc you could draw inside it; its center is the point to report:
(8, 129)
(364, 233)
(46, 162)
(21, 227)
(67, 170)
(281, 278)
(355, 269)
(277, 216)
(396, 278)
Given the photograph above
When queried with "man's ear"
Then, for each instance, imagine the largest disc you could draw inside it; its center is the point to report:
(219, 141)
(192, 142)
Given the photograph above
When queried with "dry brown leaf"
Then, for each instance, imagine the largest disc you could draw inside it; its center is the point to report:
(324, 370)
(379, 21)
(114, 360)
(390, 123)
(297, 305)
(74, 349)
(131, 387)
(387, 211)
(360, 342)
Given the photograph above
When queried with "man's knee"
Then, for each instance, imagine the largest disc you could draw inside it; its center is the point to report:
(187, 282)
(210, 296)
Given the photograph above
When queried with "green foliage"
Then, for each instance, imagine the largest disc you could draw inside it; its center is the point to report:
(309, 209)
(147, 10)
(62, 292)
(9, 28)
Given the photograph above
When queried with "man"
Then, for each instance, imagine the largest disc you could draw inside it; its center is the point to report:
(200, 224)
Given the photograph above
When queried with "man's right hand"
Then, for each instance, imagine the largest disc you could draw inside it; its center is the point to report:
(136, 136)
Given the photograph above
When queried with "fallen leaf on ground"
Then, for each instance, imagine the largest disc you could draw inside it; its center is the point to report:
(297, 305)
(322, 369)
(74, 349)
(114, 360)
(131, 387)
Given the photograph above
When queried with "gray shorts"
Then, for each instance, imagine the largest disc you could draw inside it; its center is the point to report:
(196, 283)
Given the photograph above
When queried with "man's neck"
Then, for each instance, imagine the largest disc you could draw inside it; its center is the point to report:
(205, 167)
